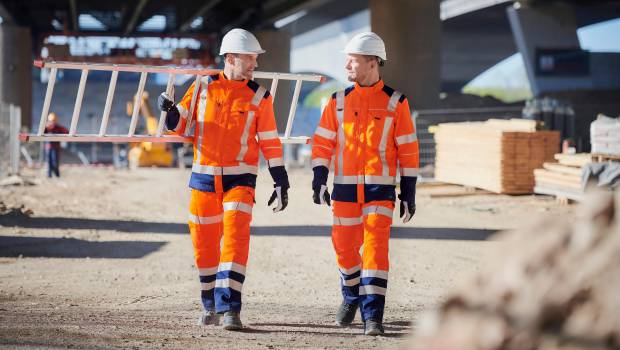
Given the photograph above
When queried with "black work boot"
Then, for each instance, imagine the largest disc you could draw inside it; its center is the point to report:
(346, 314)
(232, 321)
(209, 318)
(373, 327)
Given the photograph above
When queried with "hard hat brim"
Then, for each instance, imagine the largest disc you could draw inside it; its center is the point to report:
(258, 52)
(365, 54)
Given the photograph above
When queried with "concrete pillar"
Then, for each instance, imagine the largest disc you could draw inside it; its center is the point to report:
(551, 26)
(411, 31)
(277, 43)
(16, 69)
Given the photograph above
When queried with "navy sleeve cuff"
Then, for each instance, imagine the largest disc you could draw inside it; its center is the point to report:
(320, 176)
(407, 188)
(172, 118)
(279, 176)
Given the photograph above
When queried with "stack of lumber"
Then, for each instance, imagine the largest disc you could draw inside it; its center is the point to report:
(562, 178)
(605, 136)
(496, 155)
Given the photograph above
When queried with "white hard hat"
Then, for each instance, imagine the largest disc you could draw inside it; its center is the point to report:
(240, 41)
(367, 43)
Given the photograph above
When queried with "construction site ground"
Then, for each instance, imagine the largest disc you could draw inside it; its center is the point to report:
(101, 258)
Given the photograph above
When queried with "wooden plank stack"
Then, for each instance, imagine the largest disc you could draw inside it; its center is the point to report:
(562, 179)
(496, 155)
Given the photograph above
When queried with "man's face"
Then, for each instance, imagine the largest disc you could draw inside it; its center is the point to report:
(358, 66)
(242, 65)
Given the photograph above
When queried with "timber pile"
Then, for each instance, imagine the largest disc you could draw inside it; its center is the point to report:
(605, 136)
(562, 179)
(554, 285)
(496, 155)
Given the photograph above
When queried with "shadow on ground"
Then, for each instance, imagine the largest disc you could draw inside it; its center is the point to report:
(447, 233)
(48, 247)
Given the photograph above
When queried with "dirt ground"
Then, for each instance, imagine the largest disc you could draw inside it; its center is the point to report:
(105, 261)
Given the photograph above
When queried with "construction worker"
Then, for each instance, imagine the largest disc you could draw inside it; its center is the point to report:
(233, 119)
(52, 149)
(368, 128)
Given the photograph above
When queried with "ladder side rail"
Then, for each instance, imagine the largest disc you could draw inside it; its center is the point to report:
(108, 104)
(274, 87)
(192, 105)
(48, 99)
(292, 110)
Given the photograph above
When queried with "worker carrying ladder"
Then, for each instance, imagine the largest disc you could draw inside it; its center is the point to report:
(144, 71)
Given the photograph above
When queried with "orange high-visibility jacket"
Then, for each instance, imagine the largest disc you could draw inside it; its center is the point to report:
(233, 119)
(369, 134)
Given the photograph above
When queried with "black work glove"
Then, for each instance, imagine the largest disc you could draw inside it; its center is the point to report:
(281, 193)
(321, 195)
(407, 209)
(164, 102)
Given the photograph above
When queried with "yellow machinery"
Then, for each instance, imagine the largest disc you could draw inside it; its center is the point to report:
(145, 154)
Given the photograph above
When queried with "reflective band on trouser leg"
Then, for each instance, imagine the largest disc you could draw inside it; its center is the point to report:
(347, 235)
(205, 227)
(237, 205)
(375, 263)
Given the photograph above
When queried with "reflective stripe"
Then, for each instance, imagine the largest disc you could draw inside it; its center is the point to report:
(377, 209)
(229, 283)
(244, 136)
(182, 111)
(367, 179)
(401, 140)
(385, 170)
(350, 283)
(268, 135)
(370, 289)
(232, 266)
(205, 220)
(394, 101)
(207, 286)
(375, 273)
(341, 221)
(409, 171)
(238, 206)
(258, 96)
(320, 161)
(341, 141)
(328, 134)
(275, 162)
(351, 270)
(207, 271)
(202, 106)
(226, 170)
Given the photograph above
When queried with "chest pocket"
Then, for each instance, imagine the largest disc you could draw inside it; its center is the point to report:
(380, 126)
(239, 113)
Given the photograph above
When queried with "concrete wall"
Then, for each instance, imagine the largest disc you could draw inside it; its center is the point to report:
(16, 68)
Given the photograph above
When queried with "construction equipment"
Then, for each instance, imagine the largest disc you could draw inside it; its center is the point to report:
(159, 136)
(145, 154)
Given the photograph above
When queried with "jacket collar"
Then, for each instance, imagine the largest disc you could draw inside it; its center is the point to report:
(369, 90)
(231, 83)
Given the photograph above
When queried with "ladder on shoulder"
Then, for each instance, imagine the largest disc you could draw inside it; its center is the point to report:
(160, 136)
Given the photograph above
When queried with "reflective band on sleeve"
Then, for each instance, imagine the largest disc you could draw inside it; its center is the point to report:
(394, 101)
(320, 161)
(205, 220)
(409, 171)
(328, 134)
(401, 140)
(182, 111)
(268, 135)
(340, 221)
(377, 209)
(237, 206)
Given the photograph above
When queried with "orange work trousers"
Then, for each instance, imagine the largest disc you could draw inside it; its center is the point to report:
(363, 277)
(221, 219)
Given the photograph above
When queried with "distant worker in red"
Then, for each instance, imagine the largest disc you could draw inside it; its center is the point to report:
(52, 149)
(233, 119)
(368, 130)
